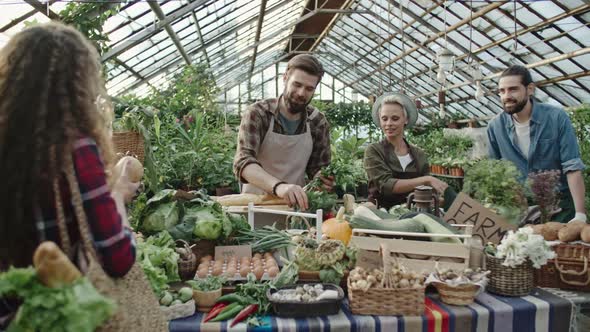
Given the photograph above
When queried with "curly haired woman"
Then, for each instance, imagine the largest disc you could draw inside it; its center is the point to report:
(50, 77)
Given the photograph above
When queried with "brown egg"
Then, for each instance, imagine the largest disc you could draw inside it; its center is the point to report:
(257, 264)
(244, 270)
(230, 272)
(271, 261)
(257, 255)
(267, 255)
(203, 266)
(245, 260)
(202, 273)
(273, 271)
(217, 271)
(231, 265)
(206, 258)
(218, 264)
(258, 272)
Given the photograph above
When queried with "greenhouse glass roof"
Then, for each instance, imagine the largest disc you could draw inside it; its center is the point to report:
(370, 46)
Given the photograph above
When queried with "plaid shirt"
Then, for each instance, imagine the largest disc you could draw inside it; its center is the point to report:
(114, 243)
(255, 124)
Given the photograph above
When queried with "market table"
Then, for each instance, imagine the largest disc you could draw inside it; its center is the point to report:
(543, 310)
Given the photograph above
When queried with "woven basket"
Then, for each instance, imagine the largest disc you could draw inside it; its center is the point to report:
(456, 295)
(129, 143)
(186, 267)
(569, 269)
(509, 281)
(386, 301)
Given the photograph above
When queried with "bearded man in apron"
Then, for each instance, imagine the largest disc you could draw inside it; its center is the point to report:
(283, 139)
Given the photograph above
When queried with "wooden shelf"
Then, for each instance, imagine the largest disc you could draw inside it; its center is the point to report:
(447, 176)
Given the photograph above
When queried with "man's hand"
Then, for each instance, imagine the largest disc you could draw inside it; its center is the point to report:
(293, 194)
(579, 217)
(327, 181)
(438, 185)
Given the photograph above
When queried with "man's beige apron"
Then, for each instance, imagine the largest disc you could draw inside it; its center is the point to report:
(284, 156)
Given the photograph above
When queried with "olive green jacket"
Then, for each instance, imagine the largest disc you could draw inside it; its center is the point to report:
(384, 170)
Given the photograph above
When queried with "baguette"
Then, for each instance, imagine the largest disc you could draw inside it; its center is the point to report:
(585, 234)
(54, 268)
(571, 231)
(245, 198)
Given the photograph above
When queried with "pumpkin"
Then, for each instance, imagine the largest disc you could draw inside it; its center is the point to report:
(337, 228)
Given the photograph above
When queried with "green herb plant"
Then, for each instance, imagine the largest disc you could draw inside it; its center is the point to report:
(208, 284)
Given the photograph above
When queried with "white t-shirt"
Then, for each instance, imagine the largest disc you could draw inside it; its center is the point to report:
(523, 136)
(405, 160)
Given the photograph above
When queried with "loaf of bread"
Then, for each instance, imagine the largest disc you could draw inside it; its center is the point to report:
(244, 199)
(54, 268)
(585, 234)
(571, 231)
(551, 229)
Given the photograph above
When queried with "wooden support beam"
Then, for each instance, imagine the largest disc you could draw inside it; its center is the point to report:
(328, 28)
(42, 8)
(198, 28)
(531, 65)
(257, 39)
(434, 37)
(162, 17)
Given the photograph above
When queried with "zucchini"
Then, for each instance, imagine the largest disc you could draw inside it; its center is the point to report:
(403, 225)
(381, 214)
(365, 212)
(431, 225)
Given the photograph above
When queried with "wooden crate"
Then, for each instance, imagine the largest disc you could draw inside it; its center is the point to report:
(419, 255)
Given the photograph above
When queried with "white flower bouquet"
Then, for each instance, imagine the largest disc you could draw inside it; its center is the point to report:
(517, 247)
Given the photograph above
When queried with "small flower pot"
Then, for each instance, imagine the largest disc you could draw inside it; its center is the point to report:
(205, 300)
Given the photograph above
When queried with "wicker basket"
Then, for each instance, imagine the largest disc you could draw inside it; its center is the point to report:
(188, 266)
(509, 281)
(569, 269)
(386, 301)
(129, 143)
(457, 295)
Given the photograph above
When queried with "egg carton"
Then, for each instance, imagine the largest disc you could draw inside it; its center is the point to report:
(267, 270)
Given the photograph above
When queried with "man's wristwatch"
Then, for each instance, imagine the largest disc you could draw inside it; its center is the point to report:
(274, 188)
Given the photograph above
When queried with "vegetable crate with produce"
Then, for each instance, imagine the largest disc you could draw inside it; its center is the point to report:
(237, 268)
(418, 241)
(458, 287)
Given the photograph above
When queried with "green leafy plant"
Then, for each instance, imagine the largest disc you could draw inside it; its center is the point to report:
(580, 117)
(208, 284)
(495, 184)
(74, 307)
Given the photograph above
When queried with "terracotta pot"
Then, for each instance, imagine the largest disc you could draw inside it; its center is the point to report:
(460, 172)
(205, 300)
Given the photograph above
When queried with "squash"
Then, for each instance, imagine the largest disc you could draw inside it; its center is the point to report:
(134, 169)
(337, 228)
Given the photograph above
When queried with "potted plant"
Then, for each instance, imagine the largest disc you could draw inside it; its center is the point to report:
(511, 263)
(206, 291)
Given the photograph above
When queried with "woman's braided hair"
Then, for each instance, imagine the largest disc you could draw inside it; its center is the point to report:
(50, 77)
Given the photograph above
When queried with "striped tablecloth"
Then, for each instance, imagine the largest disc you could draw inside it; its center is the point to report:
(540, 311)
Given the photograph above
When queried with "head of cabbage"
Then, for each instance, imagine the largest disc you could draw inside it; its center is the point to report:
(161, 218)
(207, 229)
